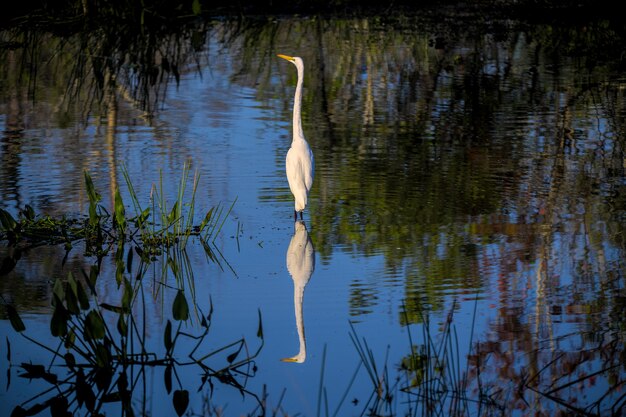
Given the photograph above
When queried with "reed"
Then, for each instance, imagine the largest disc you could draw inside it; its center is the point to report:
(429, 381)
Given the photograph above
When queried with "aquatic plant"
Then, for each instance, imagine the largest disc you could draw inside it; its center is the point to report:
(441, 377)
(429, 379)
(102, 353)
(102, 230)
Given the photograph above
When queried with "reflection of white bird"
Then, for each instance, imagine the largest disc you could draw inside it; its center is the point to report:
(300, 264)
(300, 163)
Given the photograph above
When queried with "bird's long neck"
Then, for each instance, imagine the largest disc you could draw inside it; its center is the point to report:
(298, 295)
(297, 105)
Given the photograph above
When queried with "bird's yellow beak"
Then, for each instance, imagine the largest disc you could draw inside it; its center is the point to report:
(287, 57)
(289, 360)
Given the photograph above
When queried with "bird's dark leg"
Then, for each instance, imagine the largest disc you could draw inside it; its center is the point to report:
(295, 215)
(301, 214)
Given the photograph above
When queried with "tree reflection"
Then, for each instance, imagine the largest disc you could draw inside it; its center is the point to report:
(521, 371)
(73, 77)
(580, 373)
(475, 155)
(438, 142)
(487, 159)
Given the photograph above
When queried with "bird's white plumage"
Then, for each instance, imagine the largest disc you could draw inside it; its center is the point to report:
(300, 169)
(299, 164)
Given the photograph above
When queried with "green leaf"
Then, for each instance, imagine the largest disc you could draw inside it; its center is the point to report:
(71, 296)
(196, 7)
(103, 378)
(7, 221)
(127, 298)
(94, 198)
(119, 274)
(141, 219)
(92, 194)
(93, 215)
(207, 219)
(173, 214)
(103, 356)
(181, 401)
(16, 321)
(58, 322)
(94, 325)
(120, 212)
(58, 290)
(173, 266)
(180, 309)
(70, 339)
(230, 358)
(72, 303)
(122, 327)
(129, 260)
(82, 296)
(71, 282)
(167, 337)
(91, 278)
(120, 266)
(70, 360)
(28, 212)
(115, 309)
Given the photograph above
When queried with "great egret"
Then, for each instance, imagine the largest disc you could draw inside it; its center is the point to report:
(300, 264)
(300, 164)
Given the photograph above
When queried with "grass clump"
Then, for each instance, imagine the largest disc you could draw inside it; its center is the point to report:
(151, 229)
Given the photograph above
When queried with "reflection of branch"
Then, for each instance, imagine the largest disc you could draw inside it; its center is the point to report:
(140, 60)
(563, 403)
(100, 359)
(328, 134)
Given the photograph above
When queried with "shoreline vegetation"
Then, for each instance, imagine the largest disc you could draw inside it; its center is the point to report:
(93, 13)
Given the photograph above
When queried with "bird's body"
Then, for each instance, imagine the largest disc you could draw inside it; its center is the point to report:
(299, 164)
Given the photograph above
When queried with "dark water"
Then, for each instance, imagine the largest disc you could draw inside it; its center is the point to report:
(466, 222)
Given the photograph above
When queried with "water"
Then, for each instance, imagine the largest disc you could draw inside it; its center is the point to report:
(468, 201)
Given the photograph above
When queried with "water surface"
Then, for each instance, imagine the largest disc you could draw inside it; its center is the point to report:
(468, 200)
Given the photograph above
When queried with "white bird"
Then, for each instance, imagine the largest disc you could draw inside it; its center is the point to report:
(300, 264)
(300, 164)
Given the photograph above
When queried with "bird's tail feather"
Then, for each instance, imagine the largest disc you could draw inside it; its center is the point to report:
(301, 201)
